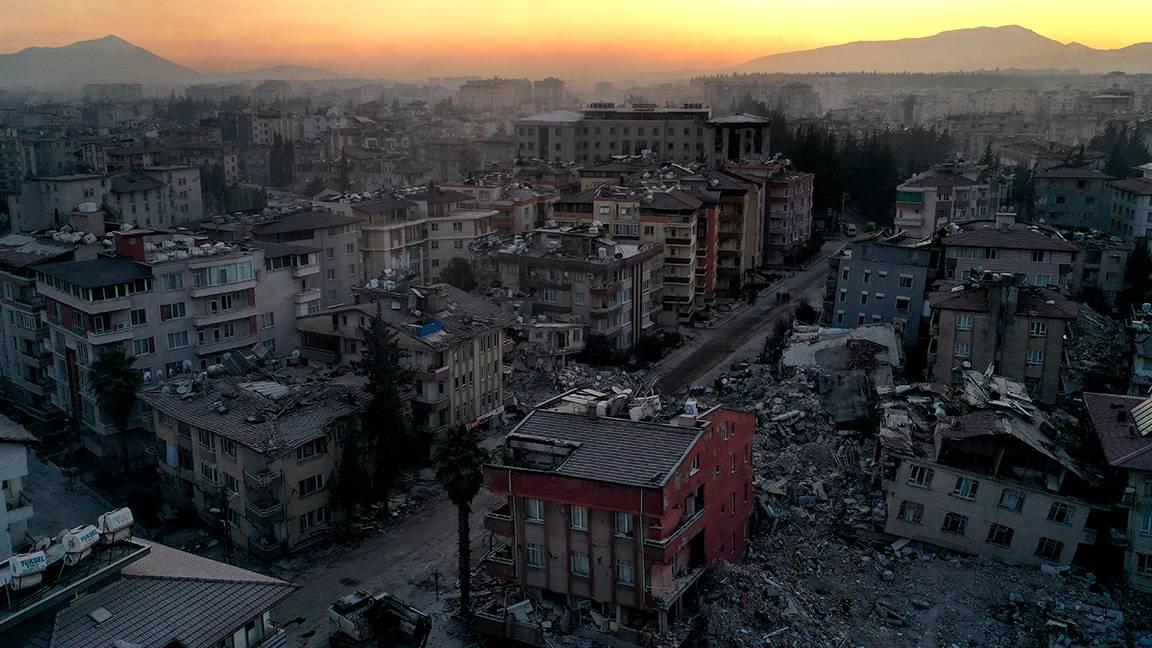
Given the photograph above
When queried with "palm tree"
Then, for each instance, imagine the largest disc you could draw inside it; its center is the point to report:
(115, 382)
(459, 467)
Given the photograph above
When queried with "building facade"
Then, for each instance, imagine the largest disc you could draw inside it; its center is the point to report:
(1073, 197)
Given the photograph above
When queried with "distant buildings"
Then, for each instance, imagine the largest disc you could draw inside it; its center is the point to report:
(496, 94)
(626, 515)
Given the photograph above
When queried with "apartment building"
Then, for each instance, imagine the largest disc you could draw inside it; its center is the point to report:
(1120, 424)
(1073, 197)
(880, 279)
(1008, 247)
(1017, 329)
(520, 207)
(41, 203)
(685, 223)
(740, 226)
(944, 194)
(451, 236)
(265, 453)
(267, 126)
(1132, 208)
(177, 303)
(11, 160)
(393, 238)
(575, 276)
(454, 340)
(337, 237)
(990, 479)
(604, 130)
(786, 228)
(25, 358)
(17, 507)
(622, 516)
(495, 94)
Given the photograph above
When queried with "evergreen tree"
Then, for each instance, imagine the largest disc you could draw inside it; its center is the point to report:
(460, 463)
(343, 180)
(115, 383)
(458, 273)
(386, 432)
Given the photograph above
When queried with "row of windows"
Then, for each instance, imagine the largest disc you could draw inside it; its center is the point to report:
(998, 534)
(966, 488)
(578, 517)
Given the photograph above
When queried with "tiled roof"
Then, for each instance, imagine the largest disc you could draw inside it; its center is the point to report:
(1073, 172)
(1031, 301)
(439, 196)
(97, 272)
(612, 450)
(21, 250)
(1139, 186)
(1018, 238)
(275, 250)
(132, 182)
(273, 425)
(1122, 448)
(163, 561)
(303, 222)
(382, 205)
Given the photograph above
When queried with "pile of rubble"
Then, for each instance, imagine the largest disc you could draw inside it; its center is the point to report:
(1093, 348)
(531, 384)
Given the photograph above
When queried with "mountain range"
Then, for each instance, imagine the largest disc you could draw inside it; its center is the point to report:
(960, 50)
(114, 60)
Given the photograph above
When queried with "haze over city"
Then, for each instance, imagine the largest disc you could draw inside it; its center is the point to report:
(408, 39)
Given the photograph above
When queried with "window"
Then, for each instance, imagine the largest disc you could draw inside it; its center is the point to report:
(534, 510)
(349, 248)
(177, 340)
(1049, 549)
(311, 485)
(1038, 329)
(228, 447)
(1061, 513)
(695, 465)
(1012, 500)
(902, 305)
(863, 298)
(143, 346)
(579, 563)
(1146, 525)
(535, 555)
(1043, 280)
(173, 281)
(206, 439)
(920, 476)
(1144, 564)
(311, 449)
(843, 295)
(966, 488)
(623, 524)
(330, 252)
(267, 320)
(231, 483)
(954, 523)
(625, 573)
(549, 296)
(331, 273)
(867, 276)
(315, 518)
(173, 311)
(962, 350)
(1035, 357)
(963, 322)
(139, 317)
(998, 534)
(911, 511)
(579, 517)
(906, 281)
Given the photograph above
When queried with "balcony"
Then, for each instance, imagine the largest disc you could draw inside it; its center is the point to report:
(219, 289)
(499, 520)
(436, 401)
(546, 282)
(120, 332)
(209, 319)
(261, 478)
(671, 260)
(603, 309)
(19, 508)
(678, 241)
(431, 373)
(500, 562)
(607, 287)
(305, 296)
(657, 549)
(265, 508)
(667, 595)
(668, 279)
(225, 345)
(306, 270)
(36, 353)
(266, 548)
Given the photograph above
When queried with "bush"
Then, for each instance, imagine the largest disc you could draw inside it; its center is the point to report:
(807, 314)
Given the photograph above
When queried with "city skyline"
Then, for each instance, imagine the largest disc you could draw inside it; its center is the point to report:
(451, 38)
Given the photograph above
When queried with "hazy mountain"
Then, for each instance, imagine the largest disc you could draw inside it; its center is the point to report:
(104, 60)
(112, 59)
(980, 48)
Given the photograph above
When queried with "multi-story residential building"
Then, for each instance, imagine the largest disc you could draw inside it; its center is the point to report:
(454, 341)
(1018, 330)
(451, 236)
(16, 509)
(25, 360)
(1101, 264)
(1073, 197)
(121, 159)
(943, 194)
(1007, 247)
(1132, 207)
(623, 515)
(263, 452)
(605, 130)
(992, 480)
(11, 161)
(574, 275)
(393, 238)
(740, 137)
(787, 213)
(495, 94)
(880, 279)
(181, 201)
(338, 238)
(520, 208)
(1121, 425)
(266, 127)
(174, 302)
(684, 222)
(41, 203)
(314, 126)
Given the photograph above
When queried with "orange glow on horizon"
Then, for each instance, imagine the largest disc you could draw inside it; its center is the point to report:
(589, 39)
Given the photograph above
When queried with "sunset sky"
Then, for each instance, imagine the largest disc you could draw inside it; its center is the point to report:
(571, 37)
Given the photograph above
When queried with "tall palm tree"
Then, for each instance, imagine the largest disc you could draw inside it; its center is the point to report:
(115, 382)
(460, 468)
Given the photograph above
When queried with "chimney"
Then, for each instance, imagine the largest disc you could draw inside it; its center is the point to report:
(1005, 219)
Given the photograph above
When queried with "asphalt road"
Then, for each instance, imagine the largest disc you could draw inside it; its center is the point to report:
(717, 347)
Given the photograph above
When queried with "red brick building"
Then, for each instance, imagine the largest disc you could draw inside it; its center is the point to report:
(617, 515)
